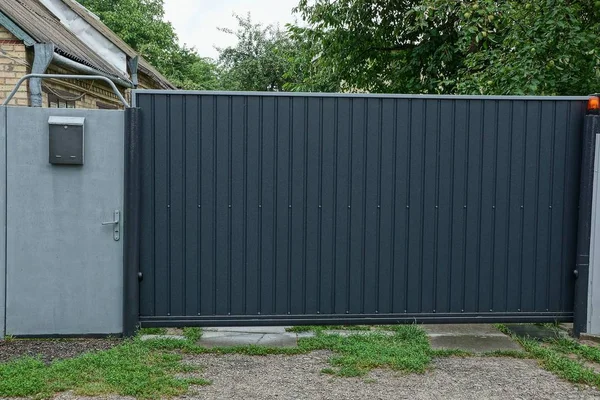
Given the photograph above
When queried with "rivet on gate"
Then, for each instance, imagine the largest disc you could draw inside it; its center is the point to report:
(199, 206)
(347, 312)
(259, 313)
(260, 206)
(434, 311)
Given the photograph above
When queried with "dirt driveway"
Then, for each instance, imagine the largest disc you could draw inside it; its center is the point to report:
(300, 377)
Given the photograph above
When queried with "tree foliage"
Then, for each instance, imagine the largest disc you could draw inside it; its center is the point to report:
(141, 24)
(260, 60)
(461, 46)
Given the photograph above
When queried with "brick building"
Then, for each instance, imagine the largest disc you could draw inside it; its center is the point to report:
(63, 37)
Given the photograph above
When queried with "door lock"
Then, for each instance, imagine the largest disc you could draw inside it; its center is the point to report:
(116, 223)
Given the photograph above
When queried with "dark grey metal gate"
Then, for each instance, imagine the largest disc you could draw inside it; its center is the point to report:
(292, 209)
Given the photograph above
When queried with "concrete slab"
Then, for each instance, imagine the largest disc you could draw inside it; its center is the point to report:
(532, 331)
(279, 340)
(248, 329)
(155, 337)
(229, 340)
(213, 334)
(474, 344)
(462, 330)
(351, 333)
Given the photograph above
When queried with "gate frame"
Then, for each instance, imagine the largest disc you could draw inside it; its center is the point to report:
(580, 267)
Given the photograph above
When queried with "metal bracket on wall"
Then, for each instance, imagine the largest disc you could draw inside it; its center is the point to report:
(116, 225)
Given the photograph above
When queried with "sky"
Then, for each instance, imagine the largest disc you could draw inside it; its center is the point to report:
(196, 21)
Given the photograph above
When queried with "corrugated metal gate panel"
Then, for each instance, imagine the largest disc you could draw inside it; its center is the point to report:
(341, 207)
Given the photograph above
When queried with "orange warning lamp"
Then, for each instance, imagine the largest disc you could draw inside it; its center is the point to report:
(593, 106)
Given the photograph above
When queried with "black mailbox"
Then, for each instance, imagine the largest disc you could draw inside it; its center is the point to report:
(66, 140)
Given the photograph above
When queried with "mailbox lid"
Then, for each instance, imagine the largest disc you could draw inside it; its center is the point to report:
(70, 121)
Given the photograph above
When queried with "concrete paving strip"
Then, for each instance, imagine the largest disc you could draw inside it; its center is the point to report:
(158, 337)
(226, 339)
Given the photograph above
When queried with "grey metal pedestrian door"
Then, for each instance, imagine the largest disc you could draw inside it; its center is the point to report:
(292, 209)
(64, 268)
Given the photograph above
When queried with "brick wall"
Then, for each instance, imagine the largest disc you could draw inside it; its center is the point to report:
(13, 65)
(94, 93)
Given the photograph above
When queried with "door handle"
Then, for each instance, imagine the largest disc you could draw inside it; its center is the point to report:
(116, 223)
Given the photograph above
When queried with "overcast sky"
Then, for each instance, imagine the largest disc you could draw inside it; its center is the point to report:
(196, 21)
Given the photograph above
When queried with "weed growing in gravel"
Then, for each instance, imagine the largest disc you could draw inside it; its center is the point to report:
(131, 369)
(553, 355)
(407, 350)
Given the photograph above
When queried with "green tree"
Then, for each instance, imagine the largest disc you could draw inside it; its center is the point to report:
(462, 46)
(141, 24)
(261, 59)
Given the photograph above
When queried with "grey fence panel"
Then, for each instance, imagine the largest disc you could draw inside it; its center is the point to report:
(306, 208)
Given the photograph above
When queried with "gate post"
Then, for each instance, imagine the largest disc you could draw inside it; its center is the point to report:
(131, 253)
(3, 123)
(586, 195)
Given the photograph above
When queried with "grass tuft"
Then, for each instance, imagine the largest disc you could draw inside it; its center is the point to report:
(321, 328)
(192, 334)
(152, 331)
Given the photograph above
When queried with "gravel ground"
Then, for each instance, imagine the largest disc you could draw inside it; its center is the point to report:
(52, 349)
(299, 377)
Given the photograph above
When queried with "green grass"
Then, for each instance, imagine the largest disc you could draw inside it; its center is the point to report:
(152, 331)
(131, 369)
(407, 349)
(320, 328)
(563, 356)
(192, 334)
